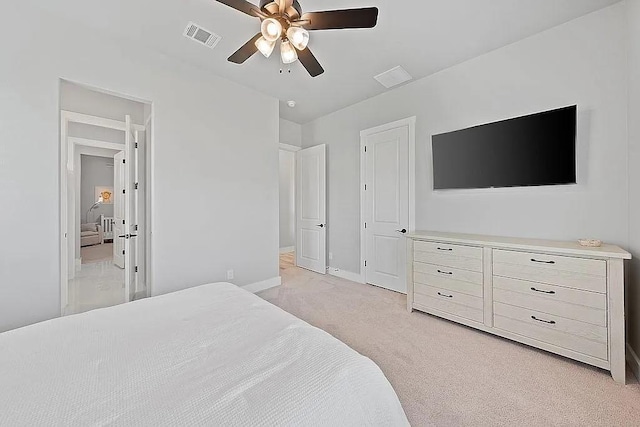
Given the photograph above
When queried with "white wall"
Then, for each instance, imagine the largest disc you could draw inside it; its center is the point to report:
(211, 173)
(287, 199)
(582, 62)
(290, 133)
(633, 289)
(80, 99)
(95, 172)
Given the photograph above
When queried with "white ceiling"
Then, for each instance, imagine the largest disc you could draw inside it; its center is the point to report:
(424, 36)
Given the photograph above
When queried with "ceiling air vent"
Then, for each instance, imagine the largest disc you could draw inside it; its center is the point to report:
(202, 36)
(393, 77)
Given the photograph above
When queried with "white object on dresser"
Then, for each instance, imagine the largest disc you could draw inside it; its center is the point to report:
(558, 296)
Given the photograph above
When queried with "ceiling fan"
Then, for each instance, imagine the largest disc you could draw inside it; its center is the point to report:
(283, 20)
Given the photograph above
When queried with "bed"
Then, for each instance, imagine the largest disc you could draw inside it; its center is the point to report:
(210, 355)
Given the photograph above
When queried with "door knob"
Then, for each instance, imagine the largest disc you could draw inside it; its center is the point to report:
(403, 231)
(321, 225)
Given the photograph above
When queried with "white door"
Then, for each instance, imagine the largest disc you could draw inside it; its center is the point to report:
(130, 211)
(387, 208)
(311, 211)
(118, 209)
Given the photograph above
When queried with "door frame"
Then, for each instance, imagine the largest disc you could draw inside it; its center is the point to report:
(292, 149)
(67, 165)
(409, 122)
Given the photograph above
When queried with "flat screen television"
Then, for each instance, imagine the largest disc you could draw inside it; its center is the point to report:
(539, 149)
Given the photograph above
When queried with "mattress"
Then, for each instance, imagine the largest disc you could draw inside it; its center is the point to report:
(210, 355)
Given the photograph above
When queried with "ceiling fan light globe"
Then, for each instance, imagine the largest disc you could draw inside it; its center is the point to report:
(271, 29)
(265, 46)
(299, 37)
(288, 53)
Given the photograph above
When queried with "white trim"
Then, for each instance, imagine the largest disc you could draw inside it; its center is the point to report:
(410, 122)
(95, 143)
(344, 274)
(287, 250)
(264, 285)
(634, 361)
(86, 119)
(289, 147)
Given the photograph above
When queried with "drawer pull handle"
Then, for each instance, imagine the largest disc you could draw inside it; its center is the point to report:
(550, 322)
(543, 292)
(445, 249)
(542, 262)
(445, 272)
(446, 296)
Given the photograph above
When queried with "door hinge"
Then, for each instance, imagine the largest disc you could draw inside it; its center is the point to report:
(136, 227)
(136, 268)
(122, 252)
(365, 148)
(124, 161)
(365, 225)
(123, 222)
(136, 145)
(365, 187)
(136, 185)
(124, 191)
(365, 263)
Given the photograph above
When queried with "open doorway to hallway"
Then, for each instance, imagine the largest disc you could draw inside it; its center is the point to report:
(288, 200)
(105, 203)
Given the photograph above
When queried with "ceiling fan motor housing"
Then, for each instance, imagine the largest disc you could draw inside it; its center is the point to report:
(272, 7)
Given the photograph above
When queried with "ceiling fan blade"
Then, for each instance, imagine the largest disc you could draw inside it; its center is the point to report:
(310, 62)
(246, 51)
(243, 6)
(339, 19)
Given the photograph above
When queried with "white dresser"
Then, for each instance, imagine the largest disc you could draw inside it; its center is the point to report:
(557, 296)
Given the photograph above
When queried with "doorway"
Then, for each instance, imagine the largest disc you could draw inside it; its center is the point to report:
(287, 212)
(387, 202)
(104, 198)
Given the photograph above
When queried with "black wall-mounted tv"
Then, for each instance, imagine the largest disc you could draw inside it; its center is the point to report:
(539, 149)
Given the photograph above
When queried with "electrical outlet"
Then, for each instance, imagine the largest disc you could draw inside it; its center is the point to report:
(229, 274)
(330, 255)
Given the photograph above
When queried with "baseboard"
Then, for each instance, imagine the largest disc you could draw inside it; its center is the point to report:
(287, 249)
(264, 285)
(344, 274)
(634, 361)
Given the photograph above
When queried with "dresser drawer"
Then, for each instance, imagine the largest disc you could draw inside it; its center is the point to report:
(448, 260)
(578, 273)
(570, 334)
(447, 249)
(443, 304)
(592, 267)
(446, 272)
(589, 307)
(448, 295)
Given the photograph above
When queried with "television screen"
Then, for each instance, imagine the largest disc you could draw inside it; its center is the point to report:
(539, 149)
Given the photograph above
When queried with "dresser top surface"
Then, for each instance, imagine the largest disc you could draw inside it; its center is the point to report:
(540, 245)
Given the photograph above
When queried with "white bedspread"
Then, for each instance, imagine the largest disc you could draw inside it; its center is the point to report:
(212, 355)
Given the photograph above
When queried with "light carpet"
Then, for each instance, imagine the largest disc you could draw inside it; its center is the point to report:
(448, 374)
